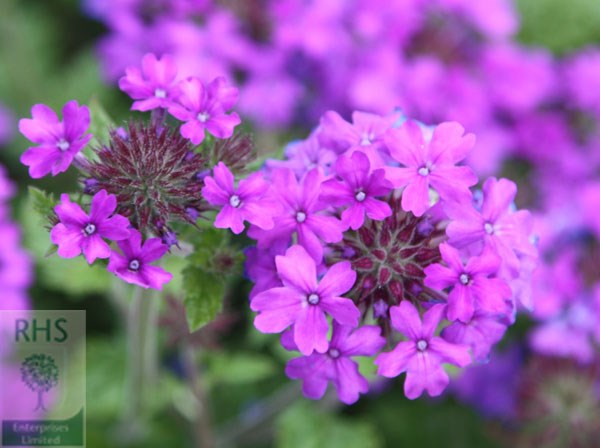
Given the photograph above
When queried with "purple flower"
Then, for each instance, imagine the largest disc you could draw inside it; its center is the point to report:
(78, 232)
(480, 333)
(430, 163)
(244, 203)
(303, 301)
(301, 213)
(421, 357)
(497, 225)
(133, 266)
(471, 287)
(154, 86)
(203, 107)
(336, 365)
(59, 141)
(358, 189)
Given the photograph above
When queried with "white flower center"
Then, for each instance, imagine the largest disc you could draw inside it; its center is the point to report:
(160, 93)
(334, 353)
(313, 299)
(423, 171)
(63, 145)
(464, 279)
(422, 345)
(489, 228)
(366, 139)
(90, 229)
(360, 196)
(300, 217)
(235, 201)
(134, 265)
(203, 117)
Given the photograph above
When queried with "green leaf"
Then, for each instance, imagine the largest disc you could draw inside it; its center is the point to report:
(204, 293)
(101, 123)
(304, 425)
(42, 204)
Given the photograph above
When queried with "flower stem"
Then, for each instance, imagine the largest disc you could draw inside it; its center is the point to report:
(142, 358)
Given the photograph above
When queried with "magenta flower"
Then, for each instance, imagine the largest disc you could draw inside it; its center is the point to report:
(301, 213)
(336, 365)
(365, 134)
(154, 86)
(430, 163)
(358, 189)
(471, 286)
(303, 301)
(244, 203)
(421, 357)
(59, 141)
(78, 232)
(203, 107)
(480, 333)
(497, 225)
(133, 265)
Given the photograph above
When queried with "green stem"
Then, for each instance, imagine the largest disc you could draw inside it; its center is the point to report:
(142, 357)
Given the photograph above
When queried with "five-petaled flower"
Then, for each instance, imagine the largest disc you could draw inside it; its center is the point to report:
(430, 162)
(358, 190)
(154, 86)
(133, 265)
(421, 357)
(79, 232)
(59, 141)
(244, 203)
(303, 301)
(204, 107)
(336, 364)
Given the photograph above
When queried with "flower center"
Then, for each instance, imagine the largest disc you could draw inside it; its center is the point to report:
(333, 353)
(235, 201)
(423, 171)
(366, 139)
(300, 217)
(160, 93)
(134, 265)
(203, 117)
(489, 228)
(90, 229)
(464, 279)
(360, 196)
(422, 345)
(63, 145)
(313, 299)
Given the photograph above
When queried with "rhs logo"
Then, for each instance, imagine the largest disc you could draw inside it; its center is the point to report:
(43, 385)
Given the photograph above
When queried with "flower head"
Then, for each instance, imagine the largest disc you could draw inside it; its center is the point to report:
(58, 141)
(204, 108)
(79, 232)
(303, 301)
(430, 162)
(154, 86)
(336, 364)
(421, 357)
(133, 264)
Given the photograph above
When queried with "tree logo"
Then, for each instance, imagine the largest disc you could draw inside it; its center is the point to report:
(40, 373)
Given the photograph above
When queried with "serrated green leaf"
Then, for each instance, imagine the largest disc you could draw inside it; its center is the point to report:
(42, 204)
(204, 293)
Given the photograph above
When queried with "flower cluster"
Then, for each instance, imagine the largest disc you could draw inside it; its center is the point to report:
(146, 178)
(371, 228)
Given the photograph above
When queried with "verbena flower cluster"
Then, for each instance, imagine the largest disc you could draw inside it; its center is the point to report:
(368, 234)
(146, 178)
